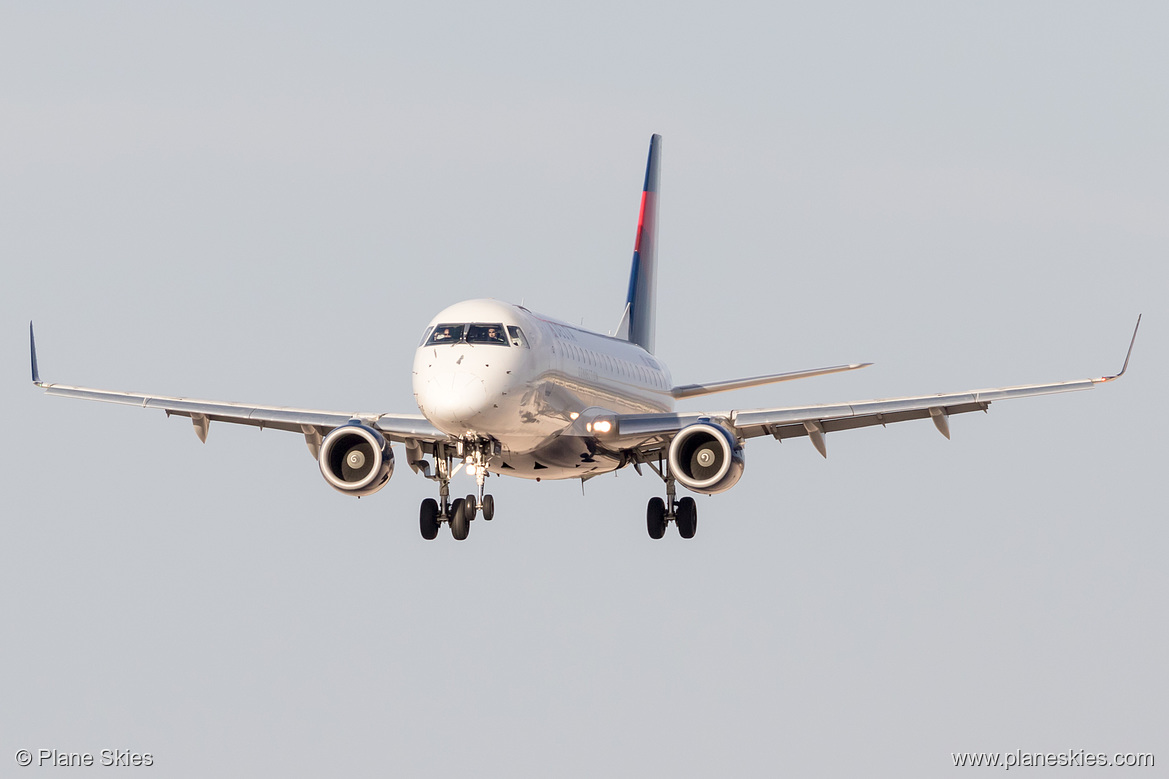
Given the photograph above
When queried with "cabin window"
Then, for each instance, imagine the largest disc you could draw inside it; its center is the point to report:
(517, 336)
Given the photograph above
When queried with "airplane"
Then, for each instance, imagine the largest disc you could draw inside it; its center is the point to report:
(505, 391)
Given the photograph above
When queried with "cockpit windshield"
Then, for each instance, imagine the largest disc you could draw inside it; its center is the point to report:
(446, 334)
(486, 334)
(477, 333)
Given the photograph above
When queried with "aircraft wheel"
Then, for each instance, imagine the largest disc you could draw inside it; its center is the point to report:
(655, 517)
(460, 524)
(470, 506)
(687, 514)
(488, 508)
(428, 519)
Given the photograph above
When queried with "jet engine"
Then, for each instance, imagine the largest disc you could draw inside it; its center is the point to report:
(356, 459)
(706, 458)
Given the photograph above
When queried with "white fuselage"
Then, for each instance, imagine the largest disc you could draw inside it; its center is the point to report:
(492, 370)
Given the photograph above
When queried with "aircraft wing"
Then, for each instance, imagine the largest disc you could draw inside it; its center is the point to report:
(407, 428)
(648, 434)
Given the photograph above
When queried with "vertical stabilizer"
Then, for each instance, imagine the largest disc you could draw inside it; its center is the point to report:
(641, 303)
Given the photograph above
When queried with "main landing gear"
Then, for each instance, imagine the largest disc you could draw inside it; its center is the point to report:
(659, 513)
(461, 511)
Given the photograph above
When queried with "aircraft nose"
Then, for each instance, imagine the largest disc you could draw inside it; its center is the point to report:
(453, 398)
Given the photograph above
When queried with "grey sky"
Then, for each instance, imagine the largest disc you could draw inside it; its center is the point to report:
(268, 204)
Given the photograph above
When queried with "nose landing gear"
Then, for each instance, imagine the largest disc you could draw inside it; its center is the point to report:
(476, 455)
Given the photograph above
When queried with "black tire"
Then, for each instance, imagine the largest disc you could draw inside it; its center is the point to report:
(488, 508)
(687, 518)
(428, 519)
(460, 525)
(655, 518)
(469, 506)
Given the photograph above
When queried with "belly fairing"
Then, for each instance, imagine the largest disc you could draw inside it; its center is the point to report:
(564, 457)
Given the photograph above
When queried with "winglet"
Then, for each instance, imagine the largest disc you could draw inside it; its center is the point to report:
(32, 346)
(1127, 356)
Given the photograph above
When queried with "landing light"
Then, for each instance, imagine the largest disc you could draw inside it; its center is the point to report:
(573, 416)
(602, 426)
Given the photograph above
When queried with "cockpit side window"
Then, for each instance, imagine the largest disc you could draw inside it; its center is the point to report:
(517, 336)
(486, 334)
(446, 334)
(426, 336)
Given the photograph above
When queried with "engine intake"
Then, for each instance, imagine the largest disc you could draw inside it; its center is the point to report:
(706, 458)
(356, 459)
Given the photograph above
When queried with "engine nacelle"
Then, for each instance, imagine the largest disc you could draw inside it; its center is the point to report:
(356, 459)
(706, 458)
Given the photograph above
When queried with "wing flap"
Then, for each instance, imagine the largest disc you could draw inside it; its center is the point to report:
(815, 421)
(851, 423)
(650, 431)
(881, 412)
(311, 423)
(396, 427)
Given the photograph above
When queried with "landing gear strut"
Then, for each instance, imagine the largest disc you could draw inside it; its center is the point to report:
(475, 455)
(660, 513)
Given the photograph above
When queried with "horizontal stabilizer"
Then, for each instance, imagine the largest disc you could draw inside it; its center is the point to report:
(694, 390)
